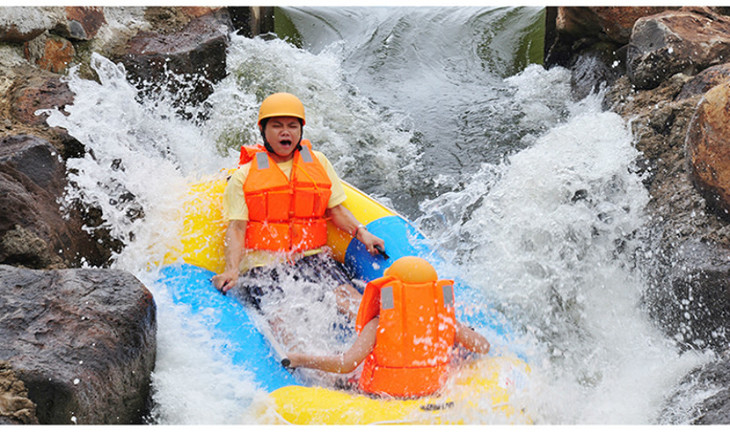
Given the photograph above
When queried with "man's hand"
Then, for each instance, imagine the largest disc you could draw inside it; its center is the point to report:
(370, 241)
(346, 221)
(235, 238)
(225, 281)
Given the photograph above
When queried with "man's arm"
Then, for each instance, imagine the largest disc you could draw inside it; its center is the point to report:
(344, 363)
(234, 243)
(346, 221)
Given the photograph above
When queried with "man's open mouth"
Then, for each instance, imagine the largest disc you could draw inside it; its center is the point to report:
(285, 142)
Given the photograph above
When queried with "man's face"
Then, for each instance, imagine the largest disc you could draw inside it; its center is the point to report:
(283, 134)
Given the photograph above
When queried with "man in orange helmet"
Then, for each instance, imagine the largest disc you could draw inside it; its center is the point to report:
(277, 204)
(407, 330)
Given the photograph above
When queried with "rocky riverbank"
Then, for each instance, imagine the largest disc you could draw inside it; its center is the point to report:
(665, 70)
(78, 345)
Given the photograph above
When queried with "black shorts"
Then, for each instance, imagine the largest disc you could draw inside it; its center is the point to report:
(321, 269)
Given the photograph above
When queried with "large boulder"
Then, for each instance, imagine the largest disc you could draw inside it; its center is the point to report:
(34, 230)
(708, 148)
(29, 94)
(52, 53)
(711, 383)
(22, 24)
(196, 53)
(82, 340)
(576, 28)
(705, 80)
(81, 22)
(607, 23)
(591, 42)
(38, 92)
(691, 300)
(688, 41)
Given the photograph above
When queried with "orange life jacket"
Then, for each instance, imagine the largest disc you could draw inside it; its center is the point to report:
(414, 339)
(285, 214)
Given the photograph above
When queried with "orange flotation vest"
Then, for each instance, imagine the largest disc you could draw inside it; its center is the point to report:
(414, 339)
(285, 214)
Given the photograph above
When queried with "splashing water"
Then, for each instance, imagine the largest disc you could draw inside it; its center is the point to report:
(548, 231)
(340, 122)
(553, 231)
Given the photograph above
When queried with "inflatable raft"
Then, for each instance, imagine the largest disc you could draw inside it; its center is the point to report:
(477, 390)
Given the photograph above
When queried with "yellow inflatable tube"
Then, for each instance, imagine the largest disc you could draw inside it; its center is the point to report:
(480, 392)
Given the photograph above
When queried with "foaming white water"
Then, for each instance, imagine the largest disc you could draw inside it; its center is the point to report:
(139, 159)
(552, 233)
(194, 382)
(339, 121)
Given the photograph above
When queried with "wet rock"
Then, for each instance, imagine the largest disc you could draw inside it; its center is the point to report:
(20, 245)
(611, 23)
(594, 67)
(27, 90)
(28, 212)
(592, 43)
(39, 92)
(706, 80)
(252, 21)
(82, 22)
(577, 28)
(34, 231)
(196, 54)
(708, 148)
(11, 33)
(712, 383)
(688, 41)
(198, 11)
(692, 300)
(22, 24)
(82, 341)
(659, 124)
(15, 407)
(51, 53)
(166, 20)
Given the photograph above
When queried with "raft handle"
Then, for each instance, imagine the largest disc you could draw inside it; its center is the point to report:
(431, 407)
(382, 252)
(285, 362)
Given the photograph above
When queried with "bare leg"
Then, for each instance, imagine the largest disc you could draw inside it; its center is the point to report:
(282, 334)
(347, 299)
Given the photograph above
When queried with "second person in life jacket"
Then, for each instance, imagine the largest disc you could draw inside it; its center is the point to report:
(407, 333)
(277, 204)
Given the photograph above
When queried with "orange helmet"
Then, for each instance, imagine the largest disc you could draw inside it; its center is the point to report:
(410, 269)
(281, 104)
